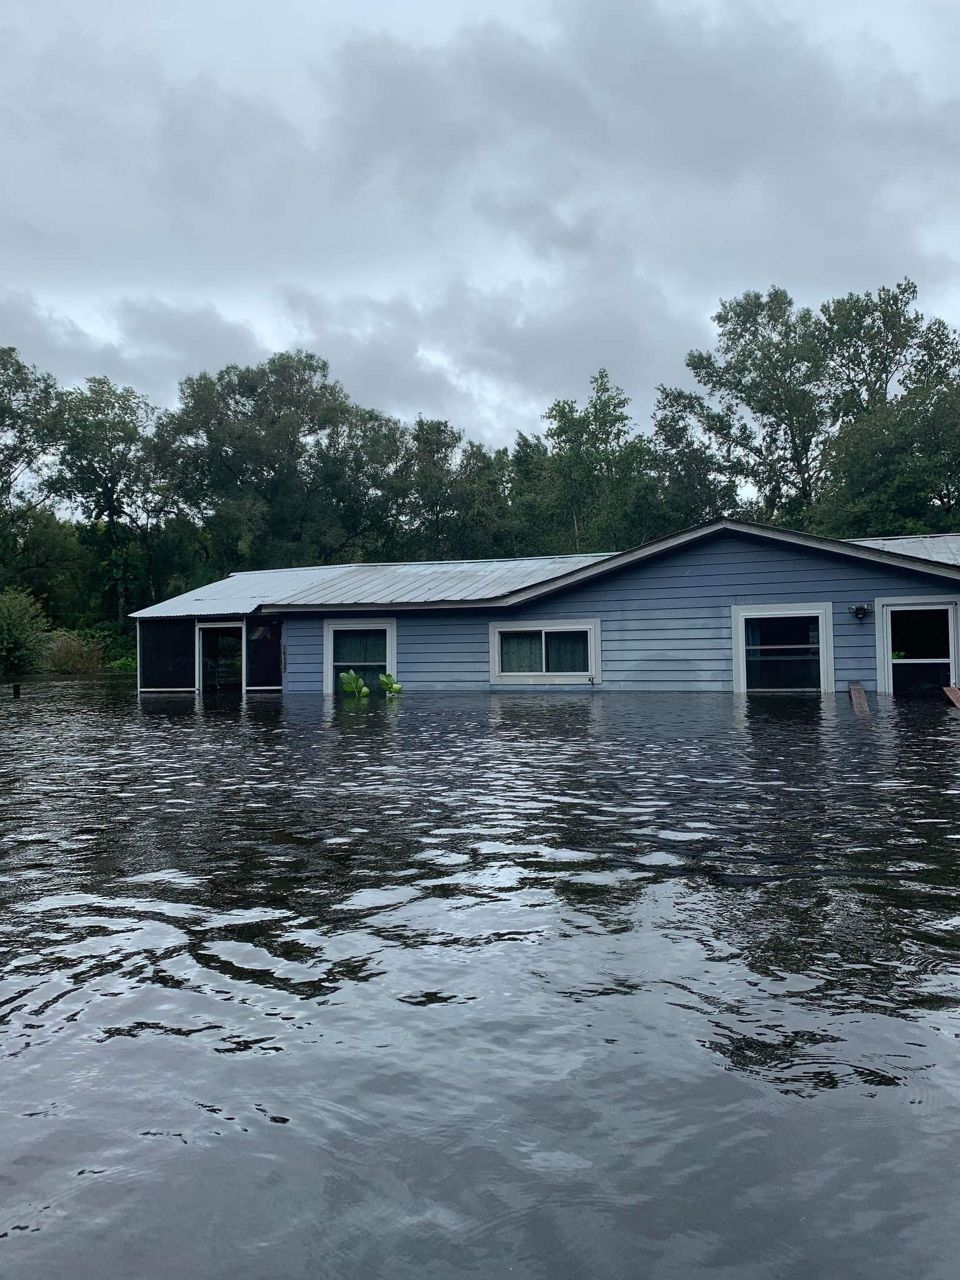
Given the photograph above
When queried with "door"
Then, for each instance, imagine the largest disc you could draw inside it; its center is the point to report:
(920, 647)
(220, 654)
(920, 643)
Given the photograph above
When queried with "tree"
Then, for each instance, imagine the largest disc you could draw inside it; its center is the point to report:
(762, 408)
(103, 468)
(244, 454)
(693, 485)
(26, 405)
(896, 469)
(22, 635)
(784, 380)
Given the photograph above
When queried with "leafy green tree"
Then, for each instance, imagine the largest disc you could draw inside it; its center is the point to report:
(598, 464)
(26, 407)
(251, 454)
(896, 469)
(103, 470)
(783, 380)
(22, 635)
(693, 485)
(762, 406)
(880, 349)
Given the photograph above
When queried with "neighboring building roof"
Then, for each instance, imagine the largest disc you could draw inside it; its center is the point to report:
(496, 583)
(345, 585)
(943, 547)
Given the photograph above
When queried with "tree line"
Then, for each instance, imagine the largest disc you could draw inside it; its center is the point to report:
(843, 420)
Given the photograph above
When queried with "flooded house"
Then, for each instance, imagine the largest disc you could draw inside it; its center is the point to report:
(725, 607)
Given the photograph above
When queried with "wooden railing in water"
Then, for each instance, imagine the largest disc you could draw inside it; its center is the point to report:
(953, 693)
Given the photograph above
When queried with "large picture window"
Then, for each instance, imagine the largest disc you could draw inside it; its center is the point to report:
(562, 652)
(784, 648)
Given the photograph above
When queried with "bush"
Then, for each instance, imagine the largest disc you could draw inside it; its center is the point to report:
(122, 665)
(23, 627)
(117, 641)
(70, 653)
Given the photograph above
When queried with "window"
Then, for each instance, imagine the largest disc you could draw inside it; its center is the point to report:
(368, 647)
(917, 645)
(787, 648)
(545, 653)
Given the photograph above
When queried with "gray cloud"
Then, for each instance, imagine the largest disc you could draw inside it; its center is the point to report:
(466, 219)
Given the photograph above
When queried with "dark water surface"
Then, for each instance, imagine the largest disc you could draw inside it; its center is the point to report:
(510, 985)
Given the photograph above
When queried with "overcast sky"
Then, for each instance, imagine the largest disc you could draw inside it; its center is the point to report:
(466, 207)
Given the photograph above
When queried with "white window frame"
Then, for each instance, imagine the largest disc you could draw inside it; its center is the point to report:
(592, 676)
(885, 606)
(223, 625)
(823, 610)
(331, 625)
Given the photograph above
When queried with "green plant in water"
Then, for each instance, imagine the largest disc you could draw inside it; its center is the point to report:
(350, 682)
(22, 635)
(390, 685)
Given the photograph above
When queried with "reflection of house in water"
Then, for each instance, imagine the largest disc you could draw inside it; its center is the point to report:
(727, 607)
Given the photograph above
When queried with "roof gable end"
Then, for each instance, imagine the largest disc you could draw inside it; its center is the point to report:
(687, 537)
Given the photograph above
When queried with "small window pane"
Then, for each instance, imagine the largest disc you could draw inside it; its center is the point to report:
(356, 647)
(783, 631)
(921, 678)
(567, 651)
(783, 669)
(521, 651)
(920, 633)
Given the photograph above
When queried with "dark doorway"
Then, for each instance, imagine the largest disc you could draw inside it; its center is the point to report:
(221, 659)
(920, 650)
(264, 654)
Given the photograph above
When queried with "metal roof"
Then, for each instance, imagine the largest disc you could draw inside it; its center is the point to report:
(942, 547)
(348, 585)
(501, 583)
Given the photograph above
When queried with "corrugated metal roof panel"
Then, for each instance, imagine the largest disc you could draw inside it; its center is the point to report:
(944, 548)
(345, 585)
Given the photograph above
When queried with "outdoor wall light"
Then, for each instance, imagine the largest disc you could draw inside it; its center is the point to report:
(860, 611)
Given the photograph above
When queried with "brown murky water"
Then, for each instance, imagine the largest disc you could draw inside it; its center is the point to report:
(527, 986)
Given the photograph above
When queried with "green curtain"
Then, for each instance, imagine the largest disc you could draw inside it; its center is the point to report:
(568, 651)
(521, 651)
(357, 648)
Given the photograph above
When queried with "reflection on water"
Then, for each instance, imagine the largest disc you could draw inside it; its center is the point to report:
(539, 986)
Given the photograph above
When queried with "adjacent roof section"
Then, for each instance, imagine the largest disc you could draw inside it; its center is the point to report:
(942, 547)
(345, 585)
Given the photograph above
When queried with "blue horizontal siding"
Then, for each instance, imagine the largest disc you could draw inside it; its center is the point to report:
(665, 625)
(303, 655)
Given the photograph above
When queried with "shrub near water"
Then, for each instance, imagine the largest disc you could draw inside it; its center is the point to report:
(69, 653)
(22, 635)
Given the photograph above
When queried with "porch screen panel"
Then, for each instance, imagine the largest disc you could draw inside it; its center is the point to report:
(167, 653)
(264, 659)
(782, 652)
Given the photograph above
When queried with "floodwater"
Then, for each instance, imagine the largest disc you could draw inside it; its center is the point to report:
(525, 986)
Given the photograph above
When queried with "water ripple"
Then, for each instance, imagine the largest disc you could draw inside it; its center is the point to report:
(544, 986)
